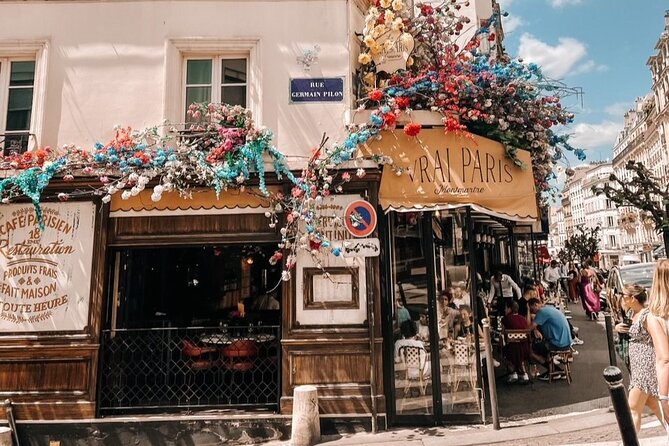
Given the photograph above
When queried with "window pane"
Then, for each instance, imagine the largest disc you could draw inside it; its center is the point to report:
(23, 73)
(18, 111)
(197, 94)
(198, 72)
(234, 95)
(234, 71)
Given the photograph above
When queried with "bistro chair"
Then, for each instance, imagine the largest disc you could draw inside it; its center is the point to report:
(240, 356)
(518, 338)
(198, 359)
(564, 358)
(416, 369)
(463, 364)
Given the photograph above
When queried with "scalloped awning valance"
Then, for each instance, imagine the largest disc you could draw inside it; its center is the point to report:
(202, 202)
(441, 170)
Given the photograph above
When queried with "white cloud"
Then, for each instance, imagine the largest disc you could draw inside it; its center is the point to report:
(618, 109)
(593, 136)
(504, 4)
(565, 58)
(512, 23)
(561, 3)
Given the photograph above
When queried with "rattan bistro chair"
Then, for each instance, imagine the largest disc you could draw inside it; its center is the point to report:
(518, 337)
(564, 358)
(416, 369)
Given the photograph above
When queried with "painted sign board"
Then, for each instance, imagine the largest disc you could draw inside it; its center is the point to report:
(360, 218)
(328, 89)
(45, 276)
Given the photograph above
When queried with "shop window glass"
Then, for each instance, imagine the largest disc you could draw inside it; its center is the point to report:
(216, 79)
(413, 331)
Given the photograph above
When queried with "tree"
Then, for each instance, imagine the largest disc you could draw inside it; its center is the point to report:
(580, 246)
(643, 191)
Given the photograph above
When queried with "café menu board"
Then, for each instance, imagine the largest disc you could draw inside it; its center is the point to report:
(45, 275)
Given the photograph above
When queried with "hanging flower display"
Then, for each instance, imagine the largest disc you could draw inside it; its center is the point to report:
(475, 93)
(502, 99)
(222, 148)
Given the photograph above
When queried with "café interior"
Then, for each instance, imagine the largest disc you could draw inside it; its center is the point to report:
(191, 327)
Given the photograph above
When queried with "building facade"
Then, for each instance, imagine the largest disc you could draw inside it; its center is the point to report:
(141, 338)
(644, 138)
(587, 210)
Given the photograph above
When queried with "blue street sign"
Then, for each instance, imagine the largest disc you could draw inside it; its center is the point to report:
(329, 89)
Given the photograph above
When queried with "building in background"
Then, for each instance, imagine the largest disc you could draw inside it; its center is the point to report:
(582, 208)
(644, 139)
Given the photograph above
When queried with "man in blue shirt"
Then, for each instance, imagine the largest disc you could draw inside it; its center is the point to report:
(552, 328)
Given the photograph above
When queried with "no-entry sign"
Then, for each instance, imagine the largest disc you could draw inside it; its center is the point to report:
(360, 218)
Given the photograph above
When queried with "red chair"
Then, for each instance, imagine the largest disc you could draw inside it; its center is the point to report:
(240, 356)
(199, 357)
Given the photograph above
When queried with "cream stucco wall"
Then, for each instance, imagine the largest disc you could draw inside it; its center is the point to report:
(108, 62)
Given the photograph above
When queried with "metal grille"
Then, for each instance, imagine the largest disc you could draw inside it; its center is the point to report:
(175, 368)
(14, 143)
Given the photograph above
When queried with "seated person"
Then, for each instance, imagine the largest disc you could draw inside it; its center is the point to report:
(467, 322)
(404, 322)
(551, 328)
(423, 327)
(448, 321)
(517, 353)
(266, 302)
(460, 297)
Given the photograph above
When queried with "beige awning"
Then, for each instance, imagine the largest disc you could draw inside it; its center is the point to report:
(201, 201)
(446, 170)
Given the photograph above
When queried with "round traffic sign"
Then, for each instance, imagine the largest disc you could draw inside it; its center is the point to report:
(360, 218)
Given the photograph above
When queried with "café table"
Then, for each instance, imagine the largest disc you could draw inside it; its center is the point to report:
(227, 339)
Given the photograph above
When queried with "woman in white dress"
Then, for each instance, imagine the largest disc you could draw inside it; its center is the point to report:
(658, 327)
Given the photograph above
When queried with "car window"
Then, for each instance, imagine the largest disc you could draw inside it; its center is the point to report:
(641, 274)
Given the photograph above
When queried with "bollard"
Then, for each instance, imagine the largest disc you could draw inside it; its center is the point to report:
(614, 378)
(306, 428)
(609, 339)
(6, 436)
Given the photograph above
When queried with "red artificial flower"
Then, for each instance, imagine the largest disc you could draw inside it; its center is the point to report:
(376, 95)
(412, 129)
(314, 245)
(389, 119)
(402, 102)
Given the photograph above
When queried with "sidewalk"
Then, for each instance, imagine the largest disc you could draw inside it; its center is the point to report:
(511, 433)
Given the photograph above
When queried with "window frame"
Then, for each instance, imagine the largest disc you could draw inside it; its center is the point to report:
(25, 50)
(217, 83)
(181, 49)
(5, 75)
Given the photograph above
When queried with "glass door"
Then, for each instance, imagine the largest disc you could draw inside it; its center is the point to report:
(457, 349)
(435, 349)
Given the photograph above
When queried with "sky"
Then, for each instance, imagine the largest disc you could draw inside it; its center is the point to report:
(601, 46)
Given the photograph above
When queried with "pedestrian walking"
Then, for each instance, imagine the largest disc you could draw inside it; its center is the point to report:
(589, 297)
(658, 327)
(643, 390)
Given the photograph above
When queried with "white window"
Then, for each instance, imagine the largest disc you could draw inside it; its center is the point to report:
(216, 79)
(23, 79)
(212, 70)
(17, 85)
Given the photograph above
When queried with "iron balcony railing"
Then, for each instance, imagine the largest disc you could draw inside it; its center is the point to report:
(163, 369)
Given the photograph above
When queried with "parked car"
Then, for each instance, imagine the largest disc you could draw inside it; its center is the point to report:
(619, 276)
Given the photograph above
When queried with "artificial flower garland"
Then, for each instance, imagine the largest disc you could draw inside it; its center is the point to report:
(222, 148)
(505, 100)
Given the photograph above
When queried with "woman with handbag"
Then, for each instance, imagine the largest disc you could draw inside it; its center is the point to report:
(643, 377)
